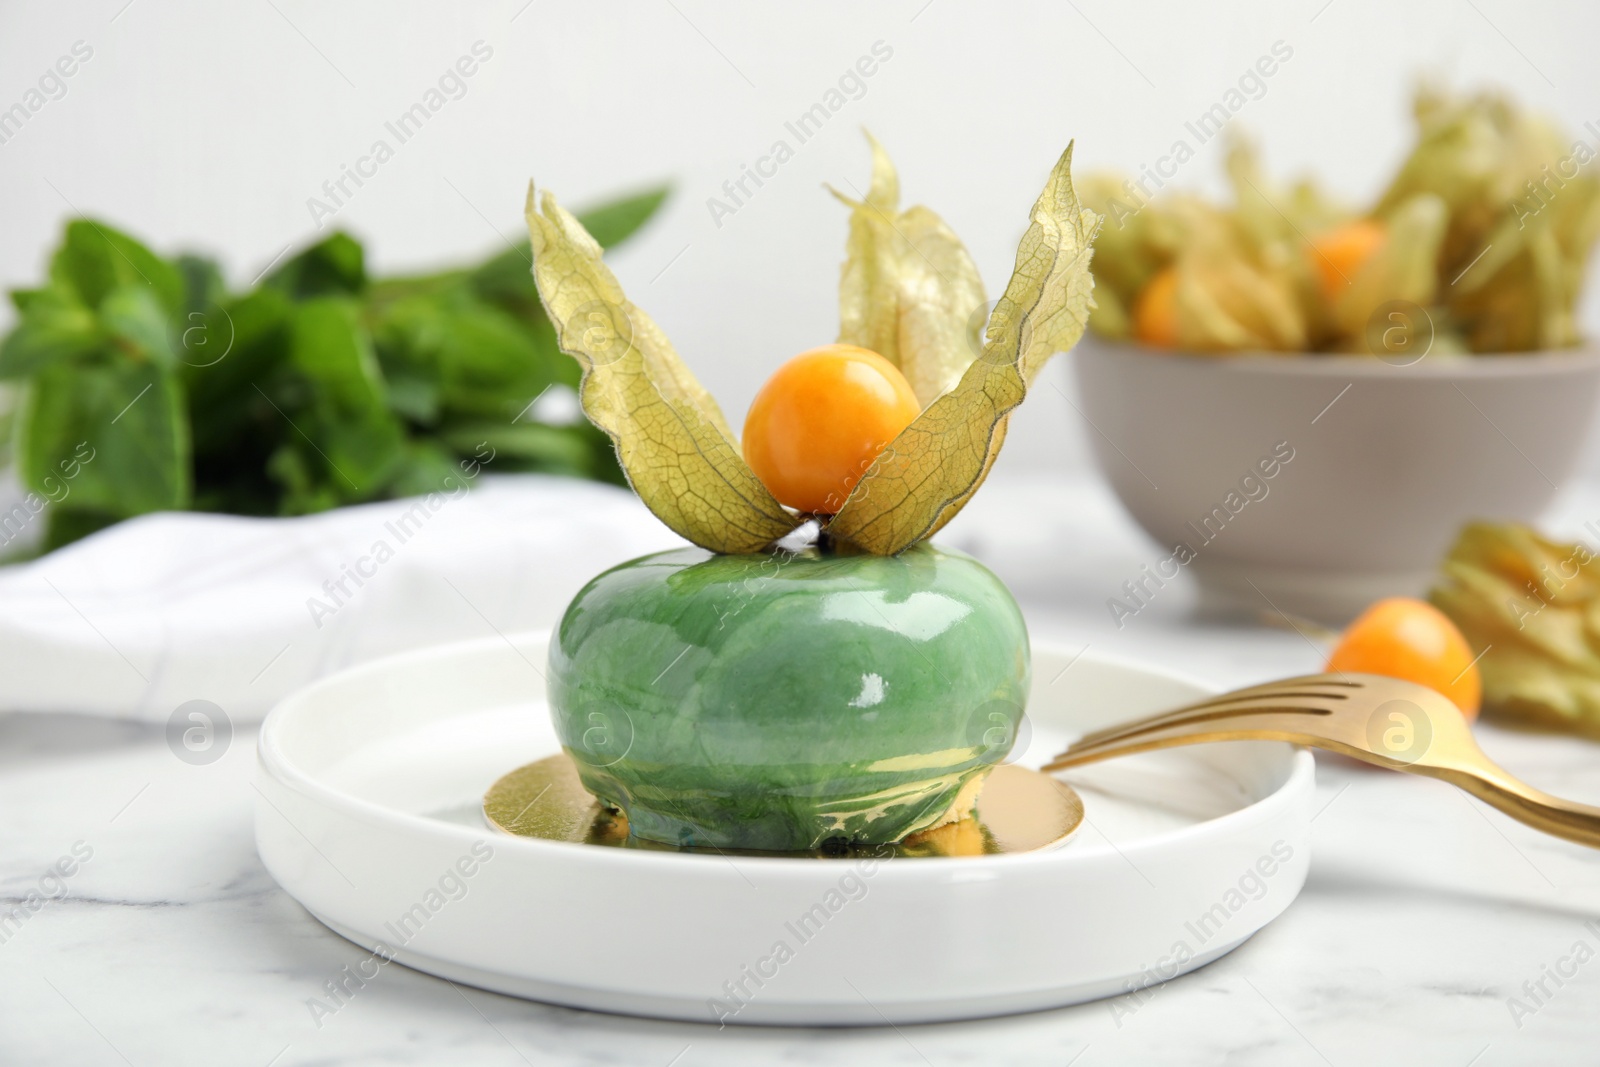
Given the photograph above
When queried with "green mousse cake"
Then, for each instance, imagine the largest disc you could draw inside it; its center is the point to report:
(780, 702)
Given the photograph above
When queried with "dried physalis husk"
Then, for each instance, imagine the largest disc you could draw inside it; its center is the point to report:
(1239, 281)
(1275, 220)
(1125, 256)
(1275, 223)
(1404, 268)
(933, 467)
(1534, 604)
(1490, 223)
(671, 438)
(1523, 216)
(909, 288)
(1226, 300)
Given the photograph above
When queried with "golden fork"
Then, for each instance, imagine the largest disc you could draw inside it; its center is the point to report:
(1386, 721)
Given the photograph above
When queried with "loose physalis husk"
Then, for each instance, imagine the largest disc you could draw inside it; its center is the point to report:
(909, 287)
(1534, 604)
(933, 467)
(672, 440)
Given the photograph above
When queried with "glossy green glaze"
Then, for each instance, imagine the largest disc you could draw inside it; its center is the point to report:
(788, 702)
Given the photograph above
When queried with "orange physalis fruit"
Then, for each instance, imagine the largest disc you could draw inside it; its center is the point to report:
(1337, 255)
(817, 425)
(1411, 639)
(1155, 312)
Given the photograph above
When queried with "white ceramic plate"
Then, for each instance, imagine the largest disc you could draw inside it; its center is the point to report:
(369, 814)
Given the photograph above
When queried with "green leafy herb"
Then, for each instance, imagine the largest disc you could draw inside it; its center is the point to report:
(321, 386)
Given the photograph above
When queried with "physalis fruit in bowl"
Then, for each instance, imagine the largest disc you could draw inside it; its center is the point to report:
(1484, 234)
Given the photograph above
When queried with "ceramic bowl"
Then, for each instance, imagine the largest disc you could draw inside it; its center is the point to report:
(782, 701)
(1316, 484)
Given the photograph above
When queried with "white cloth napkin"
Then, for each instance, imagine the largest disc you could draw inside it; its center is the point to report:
(160, 610)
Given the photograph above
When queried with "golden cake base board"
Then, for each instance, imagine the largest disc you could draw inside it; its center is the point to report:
(1018, 811)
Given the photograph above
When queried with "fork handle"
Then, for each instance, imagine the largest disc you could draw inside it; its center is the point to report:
(1499, 789)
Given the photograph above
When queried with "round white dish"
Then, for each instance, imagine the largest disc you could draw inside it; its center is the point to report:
(369, 813)
(1386, 462)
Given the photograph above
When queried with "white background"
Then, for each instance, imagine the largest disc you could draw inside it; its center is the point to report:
(208, 126)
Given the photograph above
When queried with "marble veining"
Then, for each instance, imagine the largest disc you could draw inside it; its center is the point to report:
(1425, 921)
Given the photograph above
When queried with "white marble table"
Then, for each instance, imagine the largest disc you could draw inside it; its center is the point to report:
(1424, 915)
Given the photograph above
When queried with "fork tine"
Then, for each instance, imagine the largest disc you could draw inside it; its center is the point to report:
(1290, 688)
(1233, 709)
(1230, 727)
(1329, 683)
(1241, 714)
